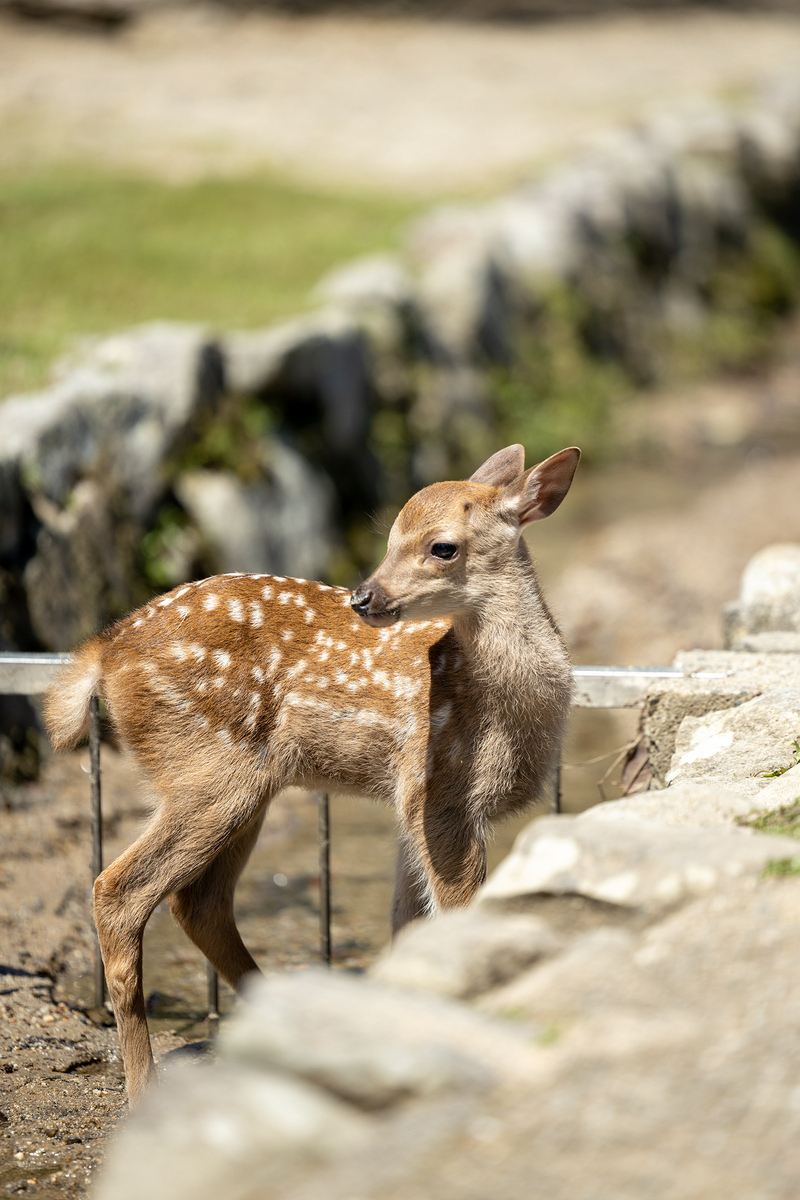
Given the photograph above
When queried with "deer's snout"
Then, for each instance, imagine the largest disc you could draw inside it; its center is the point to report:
(373, 605)
(361, 600)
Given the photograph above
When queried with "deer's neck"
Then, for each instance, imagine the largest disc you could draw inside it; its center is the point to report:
(511, 641)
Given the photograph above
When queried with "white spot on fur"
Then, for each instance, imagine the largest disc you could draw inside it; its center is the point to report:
(235, 610)
(287, 635)
(219, 681)
(150, 611)
(222, 659)
(256, 614)
(298, 669)
(309, 615)
(197, 651)
(284, 597)
(275, 657)
(224, 736)
(139, 621)
(299, 600)
(202, 687)
(179, 650)
(258, 674)
(165, 603)
(267, 593)
(211, 602)
(182, 592)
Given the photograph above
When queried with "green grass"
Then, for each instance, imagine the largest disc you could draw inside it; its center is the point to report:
(780, 822)
(84, 250)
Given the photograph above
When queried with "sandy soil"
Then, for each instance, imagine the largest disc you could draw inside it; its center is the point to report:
(400, 104)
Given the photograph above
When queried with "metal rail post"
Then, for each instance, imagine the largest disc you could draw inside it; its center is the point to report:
(97, 837)
(557, 785)
(324, 878)
(212, 982)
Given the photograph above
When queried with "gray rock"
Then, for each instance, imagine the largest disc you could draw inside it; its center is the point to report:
(772, 642)
(281, 524)
(769, 596)
(740, 746)
(120, 408)
(85, 568)
(378, 280)
(713, 680)
(701, 805)
(590, 974)
(373, 1045)
(461, 954)
(628, 863)
(226, 1131)
(782, 792)
(323, 356)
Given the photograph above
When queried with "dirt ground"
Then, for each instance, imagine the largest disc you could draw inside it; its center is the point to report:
(404, 104)
(61, 1083)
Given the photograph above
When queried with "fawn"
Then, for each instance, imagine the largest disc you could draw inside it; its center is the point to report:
(440, 686)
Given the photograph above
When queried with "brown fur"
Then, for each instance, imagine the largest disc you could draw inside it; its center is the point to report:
(447, 701)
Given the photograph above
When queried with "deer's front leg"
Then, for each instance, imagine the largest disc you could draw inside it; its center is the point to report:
(442, 860)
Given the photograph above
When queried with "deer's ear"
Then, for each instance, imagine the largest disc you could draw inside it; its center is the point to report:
(539, 491)
(501, 468)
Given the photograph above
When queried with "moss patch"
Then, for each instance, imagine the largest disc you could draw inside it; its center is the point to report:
(782, 822)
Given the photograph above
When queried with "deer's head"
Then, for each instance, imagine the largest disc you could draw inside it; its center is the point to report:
(451, 542)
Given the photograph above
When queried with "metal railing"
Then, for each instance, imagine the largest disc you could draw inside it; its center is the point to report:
(28, 674)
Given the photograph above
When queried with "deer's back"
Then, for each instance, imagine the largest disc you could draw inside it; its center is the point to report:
(270, 668)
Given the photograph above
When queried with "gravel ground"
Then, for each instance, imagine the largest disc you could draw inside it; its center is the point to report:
(404, 104)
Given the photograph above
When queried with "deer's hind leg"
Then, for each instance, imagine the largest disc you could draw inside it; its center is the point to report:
(204, 908)
(184, 838)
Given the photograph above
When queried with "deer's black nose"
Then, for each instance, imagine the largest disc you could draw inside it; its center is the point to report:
(360, 600)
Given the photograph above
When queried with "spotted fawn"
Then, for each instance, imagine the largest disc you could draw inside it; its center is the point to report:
(440, 686)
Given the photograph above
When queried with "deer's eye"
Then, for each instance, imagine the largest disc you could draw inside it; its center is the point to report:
(444, 550)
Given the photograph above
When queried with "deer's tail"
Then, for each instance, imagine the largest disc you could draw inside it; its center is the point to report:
(66, 702)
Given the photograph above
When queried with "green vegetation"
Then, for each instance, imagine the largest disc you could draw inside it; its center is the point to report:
(556, 392)
(781, 868)
(781, 822)
(84, 250)
(585, 351)
(782, 770)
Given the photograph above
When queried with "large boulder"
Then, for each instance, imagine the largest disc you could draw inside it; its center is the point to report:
(463, 953)
(281, 524)
(740, 747)
(769, 597)
(627, 864)
(315, 374)
(84, 469)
